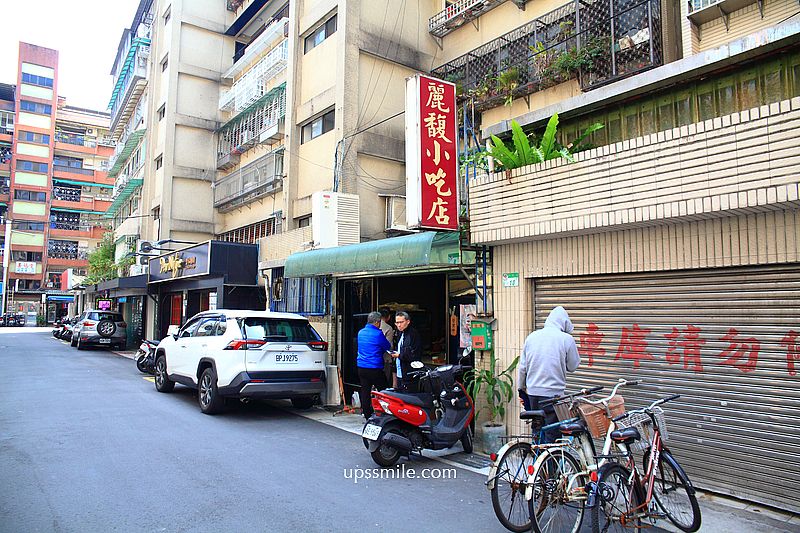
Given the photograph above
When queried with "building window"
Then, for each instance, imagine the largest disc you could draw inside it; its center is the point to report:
(305, 296)
(162, 111)
(26, 256)
(35, 107)
(29, 196)
(6, 120)
(304, 222)
(31, 166)
(319, 126)
(167, 15)
(164, 64)
(159, 162)
(320, 34)
(25, 225)
(33, 79)
(67, 162)
(39, 138)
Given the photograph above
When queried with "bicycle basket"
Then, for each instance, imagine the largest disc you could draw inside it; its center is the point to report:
(643, 423)
(564, 410)
(597, 419)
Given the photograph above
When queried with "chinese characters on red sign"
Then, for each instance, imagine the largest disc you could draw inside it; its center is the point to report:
(683, 348)
(439, 157)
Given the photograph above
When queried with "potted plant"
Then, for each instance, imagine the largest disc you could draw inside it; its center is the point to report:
(497, 388)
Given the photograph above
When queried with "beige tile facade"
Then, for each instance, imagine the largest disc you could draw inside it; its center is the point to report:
(745, 162)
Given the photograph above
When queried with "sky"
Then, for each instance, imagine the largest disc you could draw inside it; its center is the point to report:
(85, 33)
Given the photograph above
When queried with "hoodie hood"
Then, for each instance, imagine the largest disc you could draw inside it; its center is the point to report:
(558, 318)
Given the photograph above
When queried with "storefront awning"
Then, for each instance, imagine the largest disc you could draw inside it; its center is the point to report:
(425, 249)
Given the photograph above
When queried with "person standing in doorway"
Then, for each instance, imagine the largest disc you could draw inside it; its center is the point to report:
(409, 348)
(372, 345)
(388, 362)
(548, 354)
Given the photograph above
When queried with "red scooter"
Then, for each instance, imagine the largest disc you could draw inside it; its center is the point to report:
(434, 419)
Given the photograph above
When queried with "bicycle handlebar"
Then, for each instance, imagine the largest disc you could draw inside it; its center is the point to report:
(647, 409)
(559, 399)
(621, 383)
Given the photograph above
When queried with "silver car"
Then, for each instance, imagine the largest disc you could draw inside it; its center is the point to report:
(100, 328)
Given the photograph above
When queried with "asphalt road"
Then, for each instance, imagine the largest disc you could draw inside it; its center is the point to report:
(87, 444)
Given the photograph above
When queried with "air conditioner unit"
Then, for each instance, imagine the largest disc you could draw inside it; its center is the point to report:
(335, 219)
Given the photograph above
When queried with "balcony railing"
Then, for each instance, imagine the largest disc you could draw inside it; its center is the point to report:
(259, 44)
(263, 176)
(65, 250)
(66, 194)
(133, 67)
(78, 140)
(74, 170)
(258, 123)
(253, 85)
(458, 13)
(597, 43)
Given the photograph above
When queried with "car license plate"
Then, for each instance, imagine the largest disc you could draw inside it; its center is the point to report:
(286, 358)
(105, 341)
(371, 432)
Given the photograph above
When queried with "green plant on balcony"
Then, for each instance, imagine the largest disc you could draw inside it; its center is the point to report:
(456, 80)
(507, 83)
(530, 150)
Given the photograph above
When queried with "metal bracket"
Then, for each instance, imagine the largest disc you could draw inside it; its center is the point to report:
(476, 24)
(527, 99)
(439, 42)
(469, 280)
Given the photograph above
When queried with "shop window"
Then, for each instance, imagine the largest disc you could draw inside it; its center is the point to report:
(305, 296)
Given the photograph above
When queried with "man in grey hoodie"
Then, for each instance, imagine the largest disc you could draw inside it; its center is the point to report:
(549, 353)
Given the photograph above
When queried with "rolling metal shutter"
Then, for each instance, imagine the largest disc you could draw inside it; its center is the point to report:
(728, 340)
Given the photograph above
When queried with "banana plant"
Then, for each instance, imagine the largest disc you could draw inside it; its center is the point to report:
(527, 153)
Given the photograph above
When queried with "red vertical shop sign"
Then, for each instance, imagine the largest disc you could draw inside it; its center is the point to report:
(431, 154)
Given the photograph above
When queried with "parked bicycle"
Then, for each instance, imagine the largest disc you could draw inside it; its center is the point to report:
(560, 482)
(625, 496)
(513, 463)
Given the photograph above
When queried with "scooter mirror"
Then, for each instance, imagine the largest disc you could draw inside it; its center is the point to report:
(417, 364)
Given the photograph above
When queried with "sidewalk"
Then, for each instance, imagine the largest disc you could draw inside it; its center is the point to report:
(720, 514)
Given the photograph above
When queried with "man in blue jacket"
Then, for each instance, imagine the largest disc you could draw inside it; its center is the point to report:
(372, 344)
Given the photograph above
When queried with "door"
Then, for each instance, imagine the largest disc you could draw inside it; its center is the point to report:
(358, 300)
(727, 340)
(184, 359)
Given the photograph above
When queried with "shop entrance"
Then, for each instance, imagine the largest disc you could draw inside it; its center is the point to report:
(432, 300)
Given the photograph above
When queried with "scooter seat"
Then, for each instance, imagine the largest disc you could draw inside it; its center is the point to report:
(421, 399)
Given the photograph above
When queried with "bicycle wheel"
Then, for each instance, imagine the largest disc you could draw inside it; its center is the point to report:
(614, 501)
(673, 493)
(557, 501)
(508, 493)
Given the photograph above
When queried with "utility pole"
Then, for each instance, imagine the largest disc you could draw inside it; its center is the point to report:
(6, 260)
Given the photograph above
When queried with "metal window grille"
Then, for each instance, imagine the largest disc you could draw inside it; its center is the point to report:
(597, 41)
(250, 182)
(244, 131)
(249, 234)
(65, 250)
(304, 296)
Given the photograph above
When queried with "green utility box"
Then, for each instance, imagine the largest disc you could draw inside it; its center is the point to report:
(482, 335)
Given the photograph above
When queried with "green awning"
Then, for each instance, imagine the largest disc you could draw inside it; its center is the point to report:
(127, 66)
(130, 143)
(83, 183)
(85, 211)
(427, 249)
(123, 195)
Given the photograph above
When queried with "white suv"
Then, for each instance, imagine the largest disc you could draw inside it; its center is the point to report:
(244, 354)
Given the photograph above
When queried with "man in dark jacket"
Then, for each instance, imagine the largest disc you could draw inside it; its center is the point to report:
(409, 347)
(372, 344)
